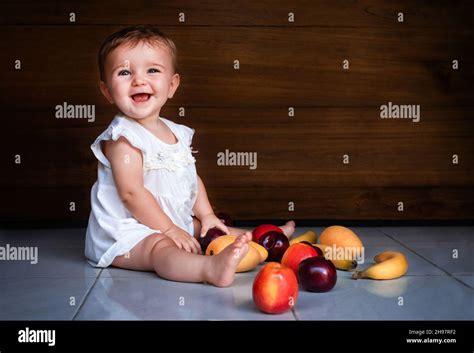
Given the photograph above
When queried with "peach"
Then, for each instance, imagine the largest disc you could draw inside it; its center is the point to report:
(297, 253)
(275, 288)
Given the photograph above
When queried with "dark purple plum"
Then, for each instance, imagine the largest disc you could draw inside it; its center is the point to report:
(317, 274)
(276, 244)
(211, 234)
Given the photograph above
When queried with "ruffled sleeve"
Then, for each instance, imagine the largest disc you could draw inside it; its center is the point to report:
(187, 135)
(116, 130)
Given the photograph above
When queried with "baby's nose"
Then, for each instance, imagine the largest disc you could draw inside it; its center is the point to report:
(138, 80)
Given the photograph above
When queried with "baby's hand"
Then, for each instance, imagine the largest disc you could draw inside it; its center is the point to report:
(183, 240)
(211, 221)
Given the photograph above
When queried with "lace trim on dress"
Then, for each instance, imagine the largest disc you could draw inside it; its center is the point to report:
(170, 160)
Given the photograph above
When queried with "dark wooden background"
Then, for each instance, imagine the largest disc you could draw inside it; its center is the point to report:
(282, 65)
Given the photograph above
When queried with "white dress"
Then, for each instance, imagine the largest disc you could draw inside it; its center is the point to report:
(169, 173)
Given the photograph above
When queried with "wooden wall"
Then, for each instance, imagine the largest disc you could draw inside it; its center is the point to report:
(283, 64)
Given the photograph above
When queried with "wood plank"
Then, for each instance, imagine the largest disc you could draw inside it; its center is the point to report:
(315, 122)
(64, 160)
(282, 66)
(370, 13)
(82, 176)
(32, 204)
(276, 150)
(304, 150)
(346, 203)
(49, 204)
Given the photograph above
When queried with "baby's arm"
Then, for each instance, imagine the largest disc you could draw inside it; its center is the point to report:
(202, 207)
(203, 211)
(127, 170)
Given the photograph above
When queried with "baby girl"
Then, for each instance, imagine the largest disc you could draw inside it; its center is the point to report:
(149, 206)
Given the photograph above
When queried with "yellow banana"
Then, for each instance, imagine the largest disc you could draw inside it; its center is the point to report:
(341, 264)
(308, 236)
(345, 265)
(389, 265)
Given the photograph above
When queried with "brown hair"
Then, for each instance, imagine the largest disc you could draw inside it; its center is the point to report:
(132, 36)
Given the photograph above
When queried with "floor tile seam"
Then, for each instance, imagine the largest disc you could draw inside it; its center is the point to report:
(295, 314)
(86, 296)
(424, 258)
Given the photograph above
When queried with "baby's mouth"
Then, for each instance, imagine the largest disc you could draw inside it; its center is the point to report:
(141, 97)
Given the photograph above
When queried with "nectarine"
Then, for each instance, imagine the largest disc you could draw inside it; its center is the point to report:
(297, 253)
(275, 288)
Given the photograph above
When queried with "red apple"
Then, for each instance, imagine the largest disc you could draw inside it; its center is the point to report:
(275, 288)
(211, 234)
(317, 274)
(262, 229)
(276, 244)
(318, 250)
(297, 253)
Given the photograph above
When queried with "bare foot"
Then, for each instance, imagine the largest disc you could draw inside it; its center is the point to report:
(221, 269)
(288, 229)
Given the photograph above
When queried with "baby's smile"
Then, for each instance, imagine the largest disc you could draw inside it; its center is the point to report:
(139, 98)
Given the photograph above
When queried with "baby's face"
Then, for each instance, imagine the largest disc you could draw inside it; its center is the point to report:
(139, 80)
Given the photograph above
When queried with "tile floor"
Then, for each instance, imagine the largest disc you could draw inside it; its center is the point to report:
(62, 286)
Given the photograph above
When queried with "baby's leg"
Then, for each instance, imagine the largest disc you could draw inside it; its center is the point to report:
(159, 253)
(288, 229)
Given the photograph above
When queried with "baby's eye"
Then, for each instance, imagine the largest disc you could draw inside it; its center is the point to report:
(153, 71)
(124, 73)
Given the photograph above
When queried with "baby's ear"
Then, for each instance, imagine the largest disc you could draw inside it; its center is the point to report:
(174, 85)
(105, 91)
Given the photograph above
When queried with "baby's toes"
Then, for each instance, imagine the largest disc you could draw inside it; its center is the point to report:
(241, 248)
(248, 236)
(239, 241)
